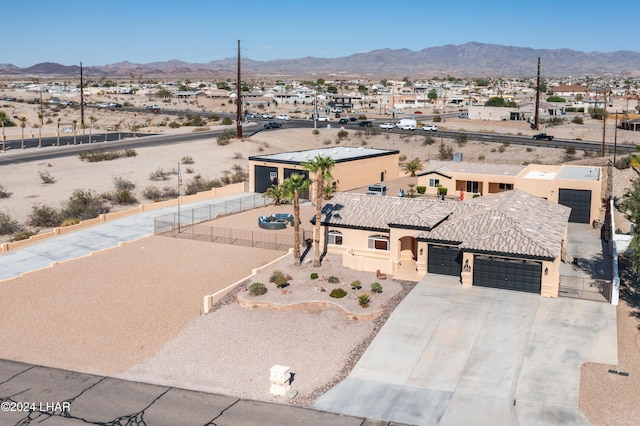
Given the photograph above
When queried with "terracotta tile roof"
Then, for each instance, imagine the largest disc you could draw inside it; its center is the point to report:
(511, 222)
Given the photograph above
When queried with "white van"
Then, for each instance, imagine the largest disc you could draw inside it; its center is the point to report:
(406, 124)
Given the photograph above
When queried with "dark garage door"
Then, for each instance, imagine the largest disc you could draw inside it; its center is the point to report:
(580, 202)
(444, 260)
(262, 178)
(507, 274)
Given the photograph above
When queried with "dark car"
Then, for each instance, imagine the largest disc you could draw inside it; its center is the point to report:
(353, 119)
(365, 123)
(543, 136)
(10, 99)
(343, 121)
(273, 125)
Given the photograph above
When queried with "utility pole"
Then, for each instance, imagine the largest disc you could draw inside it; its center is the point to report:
(81, 100)
(239, 101)
(604, 119)
(615, 140)
(41, 120)
(536, 119)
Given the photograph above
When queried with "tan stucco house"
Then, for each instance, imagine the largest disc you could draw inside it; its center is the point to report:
(509, 240)
(578, 187)
(354, 167)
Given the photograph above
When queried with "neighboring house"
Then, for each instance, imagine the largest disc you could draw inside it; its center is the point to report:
(578, 187)
(188, 94)
(355, 167)
(568, 90)
(510, 240)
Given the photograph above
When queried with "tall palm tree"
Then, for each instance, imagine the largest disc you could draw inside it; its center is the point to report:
(40, 116)
(75, 122)
(295, 184)
(92, 120)
(58, 143)
(23, 124)
(3, 118)
(321, 166)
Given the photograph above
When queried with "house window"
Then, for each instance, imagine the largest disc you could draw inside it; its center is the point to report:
(334, 238)
(506, 186)
(378, 242)
(434, 183)
(472, 186)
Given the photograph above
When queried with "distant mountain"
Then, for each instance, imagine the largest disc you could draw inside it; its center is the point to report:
(466, 60)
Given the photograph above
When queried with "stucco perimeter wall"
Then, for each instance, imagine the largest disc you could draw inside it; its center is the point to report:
(236, 188)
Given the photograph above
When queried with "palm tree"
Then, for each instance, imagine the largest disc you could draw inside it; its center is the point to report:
(328, 191)
(75, 122)
(412, 167)
(23, 124)
(293, 185)
(40, 116)
(59, 131)
(321, 166)
(277, 193)
(92, 120)
(3, 118)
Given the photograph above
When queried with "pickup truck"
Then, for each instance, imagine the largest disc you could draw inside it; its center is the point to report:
(543, 136)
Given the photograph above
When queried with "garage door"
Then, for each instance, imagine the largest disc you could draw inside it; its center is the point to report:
(444, 260)
(507, 274)
(580, 202)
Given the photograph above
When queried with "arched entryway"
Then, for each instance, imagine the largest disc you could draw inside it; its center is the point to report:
(407, 255)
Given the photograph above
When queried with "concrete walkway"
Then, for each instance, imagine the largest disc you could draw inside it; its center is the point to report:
(109, 234)
(450, 356)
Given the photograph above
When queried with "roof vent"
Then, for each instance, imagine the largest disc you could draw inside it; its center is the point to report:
(290, 157)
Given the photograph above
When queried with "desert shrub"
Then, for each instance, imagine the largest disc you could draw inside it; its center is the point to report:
(44, 216)
(421, 189)
(502, 148)
(226, 121)
(153, 193)
(95, 156)
(338, 293)
(314, 275)
(402, 157)
(343, 134)
(278, 277)
(84, 205)
(198, 184)
(159, 174)
(571, 150)
(326, 142)
(356, 285)
(445, 152)
(437, 119)
(8, 225)
(364, 300)
(428, 140)
(69, 222)
(481, 157)
(238, 156)
(461, 139)
(333, 280)
(22, 235)
(187, 160)
(315, 132)
(623, 163)
(120, 183)
(4, 193)
(46, 178)
(124, 197)
(577, 120)
(529, 149)
(376, 287)
(225, 137)
(130, 152)
(189, 170)
(174, 125)
(257, 289)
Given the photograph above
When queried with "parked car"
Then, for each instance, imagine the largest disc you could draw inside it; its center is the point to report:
(323, 118)
(249, 115)
(543, 136)
(104, 105)
(343, 121)
(365, 123)
(386, 126)
(282, 117)
(430, 128)
(114, 105)
(273, 125)
(267, 116)
(353, 119)
(152, 107)
(10, 99)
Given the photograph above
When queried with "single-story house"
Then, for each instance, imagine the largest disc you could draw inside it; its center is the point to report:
(509, 240)
(578, 187)
(354, 167)
(568, 90)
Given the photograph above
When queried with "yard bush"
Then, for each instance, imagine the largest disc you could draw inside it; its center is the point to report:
(577, 120)
(421, 189)
(333, 280)
(314, 275)
(278, 278)
(22, 235)
(356, 285)
(337, 293)
(256, 289)
(376, 287)
(364, 300)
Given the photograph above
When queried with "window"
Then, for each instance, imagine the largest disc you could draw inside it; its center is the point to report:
(472, 186)
(434, 182)
(334, 238)
(506, 186)
(379, 242)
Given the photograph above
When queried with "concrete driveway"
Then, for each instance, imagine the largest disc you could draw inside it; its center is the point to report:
(450, 356)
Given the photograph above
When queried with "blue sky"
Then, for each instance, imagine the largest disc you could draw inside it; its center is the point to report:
(142, 31)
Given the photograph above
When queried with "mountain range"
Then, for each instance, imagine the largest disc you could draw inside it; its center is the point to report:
(466, 60)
